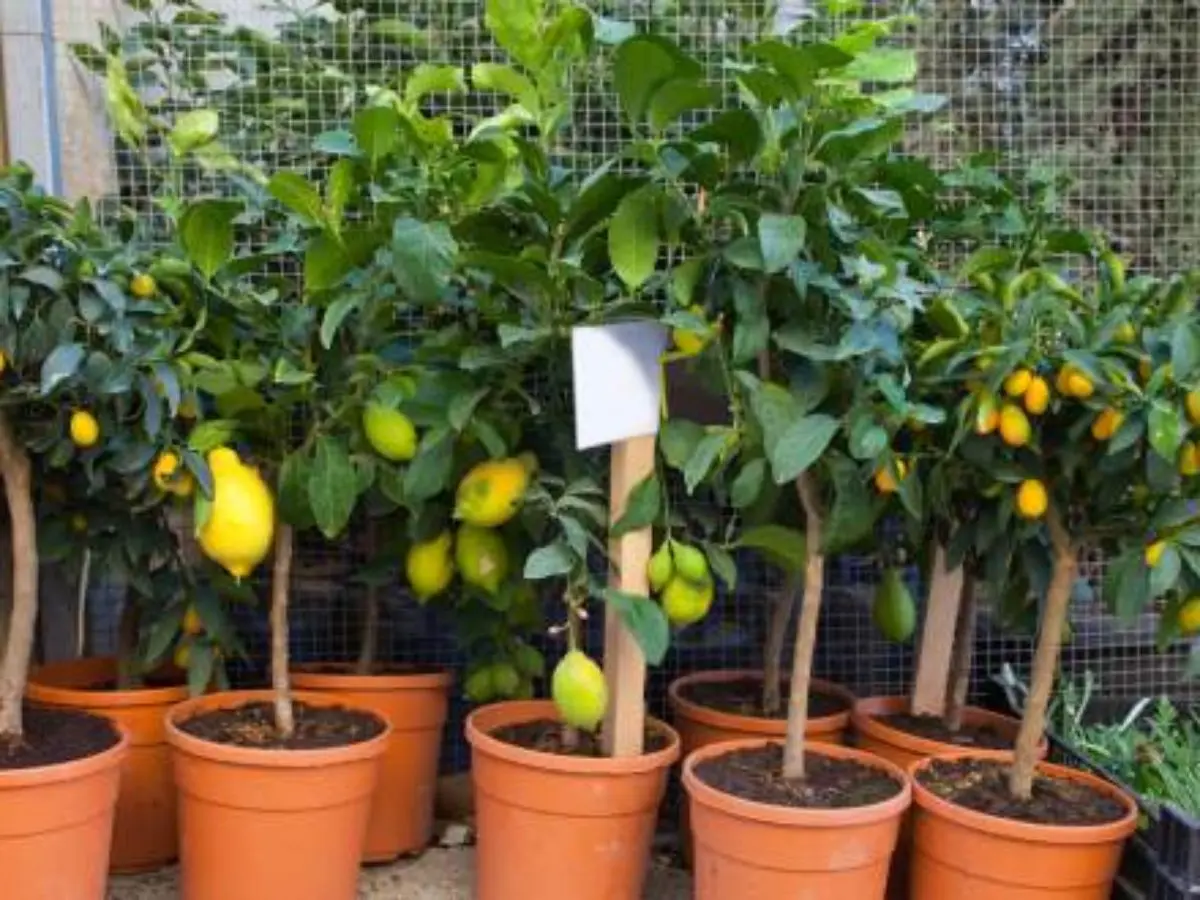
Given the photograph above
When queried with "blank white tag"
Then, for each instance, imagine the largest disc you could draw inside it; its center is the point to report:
(618, 382)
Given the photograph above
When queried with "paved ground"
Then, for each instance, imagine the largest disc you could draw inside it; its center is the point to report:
(438, 875)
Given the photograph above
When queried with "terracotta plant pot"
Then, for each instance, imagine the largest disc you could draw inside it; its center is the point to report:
(289, 822)
(962, 853)
(550, 826)
(750, 851)
(56, 827)
(145, 836)
(700, 726)
(415, 705)
(903, 748)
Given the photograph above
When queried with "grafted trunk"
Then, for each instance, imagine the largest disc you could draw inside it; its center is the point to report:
(806, 631)
(16, 470)
(285, 721)
(781, 615)
(370, 632)
(964, 654)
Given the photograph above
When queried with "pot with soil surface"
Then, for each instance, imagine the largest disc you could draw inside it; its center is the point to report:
(974, 838)
(58, 793)
(548, 816)
(145, 836)
(414, 702)
(759, 833)
(258, 809)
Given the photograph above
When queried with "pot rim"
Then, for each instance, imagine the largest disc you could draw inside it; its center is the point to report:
(72, 769)
(273, 757)
(865, 719)
(1027, 831)
(482, 721)
(701, 792)
(680, 705)
(39, 692)
(305, 675)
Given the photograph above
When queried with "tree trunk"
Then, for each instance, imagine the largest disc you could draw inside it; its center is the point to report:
(781, 615)
(129, 672)
(964, 654)
(806, 631)
(280, 583)
(16, 471)
(370, 631)
(1045, 661)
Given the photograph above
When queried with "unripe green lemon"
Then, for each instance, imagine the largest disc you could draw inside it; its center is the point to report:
(894, 612)
(390, 432)
(661, 568)
(579, 691)
(482, 557)
(429, 566)
(690, 562)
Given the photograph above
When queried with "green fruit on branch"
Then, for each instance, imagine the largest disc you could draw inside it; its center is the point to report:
(506, 680)
(482, 557)
(894, 612)
(240, 524)
(390, 432)
(690, 563)
(479, 687)
(660, 568)
(579, 691)
(686, 601)
(429, 566)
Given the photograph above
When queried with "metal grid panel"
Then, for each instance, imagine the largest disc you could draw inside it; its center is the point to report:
(1110, 91)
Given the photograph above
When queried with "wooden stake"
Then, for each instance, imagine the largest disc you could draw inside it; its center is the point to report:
(937, 639)
(624, 666)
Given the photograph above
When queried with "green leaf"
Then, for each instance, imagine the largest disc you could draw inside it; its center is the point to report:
(801, 446)
(515, 26)
(193, 130)
(645, 503)
(550, 561)
(737, 130)
(62, 363)
(334, 316)
(800, 65)
(641, 66)
(885, 65)
(1164, 575)
(296, 193)
(702, 459)
(206, 232)
(508, 81)
(44, 276)
(429, 79)
(645, 620)
(1166, 431)
(781, 238)
(1185, 349)
(200, 667)
(429, 473)
(633, 240)
(162, 636)
(326, 263)
(867, 440)
(722, 564)
(783, 547)
(1127, 584)
(339, 190)
(748, 484)
(684, 278)
(752, 328)
(679, 96)
(424, 256)
(377, 132)
(862, 139)
(678, 440)
(332, 486)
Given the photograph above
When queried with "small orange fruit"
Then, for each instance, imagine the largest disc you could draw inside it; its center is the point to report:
(1032, 499)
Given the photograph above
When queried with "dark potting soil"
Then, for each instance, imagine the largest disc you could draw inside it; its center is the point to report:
(253, 725)
(932, 728)
(756, 774)
(546, 736)
(57, 736)
(982, 785)
(743, 697)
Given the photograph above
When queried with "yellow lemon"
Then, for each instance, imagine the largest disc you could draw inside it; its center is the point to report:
(686, 602)
(1145, 369)
(85, 430)
(1014, 426)
(1154, 553)
(390, 432)
(987, 415)
(1016, 384)
(143, 286)
(170, 477)
(3, 362)
(79, 523)
(192, 623)
(240, 526)
(1107, 424)
(1189, 459)
(1125, 333)
(579, 691)
(1080, 386)
(690, 562)
(1032, 499)
(183, 655)
(886, 482)
(1192, 402)
(429, 566)
(482, 557)
(1037, 396)
(491, 493)
(1189, 617)
(689, 342)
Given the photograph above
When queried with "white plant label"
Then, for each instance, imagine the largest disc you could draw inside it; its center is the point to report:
(618, 381)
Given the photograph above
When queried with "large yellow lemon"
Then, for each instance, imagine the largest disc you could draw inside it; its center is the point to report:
(241, 519)
(429, 566)
(491, 493)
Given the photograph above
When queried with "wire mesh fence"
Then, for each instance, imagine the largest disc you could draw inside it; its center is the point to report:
(1108, 92)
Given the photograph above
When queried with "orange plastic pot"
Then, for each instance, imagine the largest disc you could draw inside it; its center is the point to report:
(903, 748)
(550, 826)
(288, 822)
(145, 836)
(415, 705)
(962, 853)
(751, 851)
(56, 827)
(700, 726)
